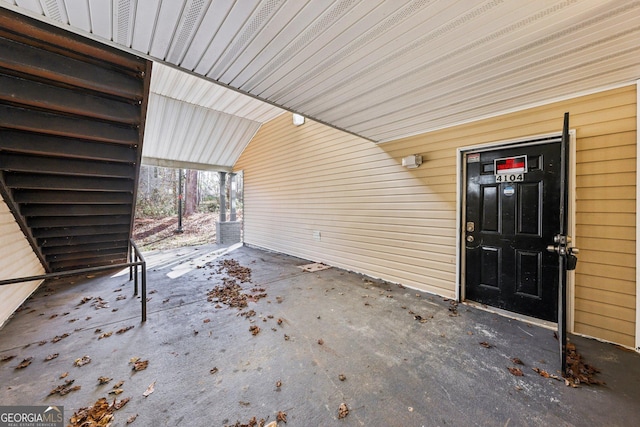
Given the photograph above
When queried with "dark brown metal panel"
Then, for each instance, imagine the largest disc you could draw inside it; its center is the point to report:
(96, 253)
(64, 166)
(73, 210)
(45, 96)
(83, 221)
(88, 262)
(47, 145)
(53, 182)
(55, 250)
(19, 118)
(72, 115)
(26, 30)
(71, 197)
(41, 233)
(81, 240)
(52, 66)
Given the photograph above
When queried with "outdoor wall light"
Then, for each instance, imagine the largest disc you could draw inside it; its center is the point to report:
(298, 119)
(412, 161)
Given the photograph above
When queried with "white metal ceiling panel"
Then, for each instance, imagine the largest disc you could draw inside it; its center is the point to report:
(30, 5)
(213, 18)
(166, 22)
(145, 25)
(78, 13)
(173, 83)
(100, 15)
(182, 132)
(382, 69)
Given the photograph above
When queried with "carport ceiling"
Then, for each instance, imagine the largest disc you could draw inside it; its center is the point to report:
(379, 69)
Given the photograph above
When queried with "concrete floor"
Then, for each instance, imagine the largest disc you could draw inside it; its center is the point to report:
(399, 371)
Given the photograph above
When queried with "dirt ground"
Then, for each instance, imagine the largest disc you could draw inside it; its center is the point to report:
(160, 233)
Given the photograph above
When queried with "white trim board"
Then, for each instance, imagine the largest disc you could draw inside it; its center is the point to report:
(637, 347)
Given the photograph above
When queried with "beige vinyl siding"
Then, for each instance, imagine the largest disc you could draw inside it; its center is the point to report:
(381, 219)
(16, 260)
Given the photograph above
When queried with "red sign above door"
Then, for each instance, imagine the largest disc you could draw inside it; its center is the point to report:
(509, 165)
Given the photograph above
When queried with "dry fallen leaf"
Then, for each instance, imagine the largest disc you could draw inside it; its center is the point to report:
(119, 384)
(64, 388)
(104, 380)
(515, 371)
(214, 370)
(255, 330)
(281, 416)
(51, 356)
(320, 341)
(7, 358)
(116, 391)
(82, 361)
(59, 337)
(342, 377)
(125, 329)
(140, 365)
(286, 337)
(343, 411)
(132, 418)
(105, 335)
(516, 361)
(278, 384)
(25, 362)
(485, 344)
(150, 389)
(280, 321)
(64, 375)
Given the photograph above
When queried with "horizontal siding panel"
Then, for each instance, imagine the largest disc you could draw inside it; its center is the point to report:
(607, 245)
(378, 218)
(16, 260)
(606, 297)
(606, 323)
(607, 271)
(606, 193)
(607, 232)
(609, 258)
(607, 141)
(603, 333)
(606, 283)
(606, 180)
(620, 314)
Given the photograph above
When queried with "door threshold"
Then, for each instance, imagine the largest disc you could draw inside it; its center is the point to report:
(511, 315)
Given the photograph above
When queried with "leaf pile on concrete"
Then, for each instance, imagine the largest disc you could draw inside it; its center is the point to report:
(232, 268)
(343, 411)
(579, 372)
(65, 388)
(98, 415)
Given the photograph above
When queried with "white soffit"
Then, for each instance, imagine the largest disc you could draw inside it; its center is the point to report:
(180, 134)
(379, 69)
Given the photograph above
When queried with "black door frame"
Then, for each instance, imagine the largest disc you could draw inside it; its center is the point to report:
(461, 209)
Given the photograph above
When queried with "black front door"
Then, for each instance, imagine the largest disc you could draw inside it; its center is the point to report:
(511, 216)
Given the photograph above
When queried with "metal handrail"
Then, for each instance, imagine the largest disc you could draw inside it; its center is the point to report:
(136, 260)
